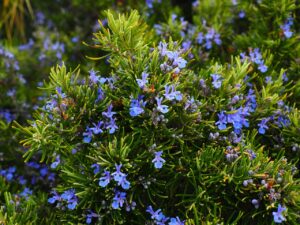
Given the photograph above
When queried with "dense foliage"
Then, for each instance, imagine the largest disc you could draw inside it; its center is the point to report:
(158, 113)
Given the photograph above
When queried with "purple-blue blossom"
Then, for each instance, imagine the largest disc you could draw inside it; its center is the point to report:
(217, 80)
(137, 106)
(155, 215)
(55, 197)
(177, 61)
(70, 198)
(97, 128)
(268, 80)
(222, 120)
(118, 175)
(251, 100)
(26, 192)
(118, 200)
(161, 108)
(277, 216)
(176, 221)
(242, 14)
(238, 119)
(163, 48)
(90, 216)
(171, 94)
(124, 183)
(104, 181)
(142, 82)
(263, 125)
(96, 168)
(56, 162)
(191, 105)
(9, 173)
(87, 135)
(286, 28)
(100, 94)
(111, 126)
(109, 113)
(255, 57)
(93, 76)
(158, 160)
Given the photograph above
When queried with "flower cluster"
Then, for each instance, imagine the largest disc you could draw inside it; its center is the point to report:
(231, 153)
(67, 198)
(108, 123)
(118, 176)
(286, 27)
(217, 80)
(174, 61)
(210, 37)
(160, 219)
(8, 60)
(238, 118)
(8, 173)
(137, 106)
(256, 58)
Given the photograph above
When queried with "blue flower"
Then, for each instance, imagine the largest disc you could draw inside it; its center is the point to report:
(251, 100)
(262, 68)
(171, 94)
(286, 28)
(118, 175)
(96, 168)
(238, 119)
(177, 61)
(109, 114)
(278, 217)
(26, 192)
(142, 82)
(97, 128)
(161, 108)
(252, 154)
(217, 81)
(137, 106)
(100, 94)
(68, 194)
(242, 14)
(87, 136)
(222, 121)
(111, 126)
(44, 171)
(70, 198)
(158, 161)
(124, 182)
(56, 162)
(200, 38)
(163, 48)
(191, 105)
(176, 221)
(104, 181)
(217, 39)
(118, 200)
(262, 126)
(268, 80)
(72, 204)
(90, 216)
(156, 215)
(93, 77)
(283, 121)
(54, 198)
